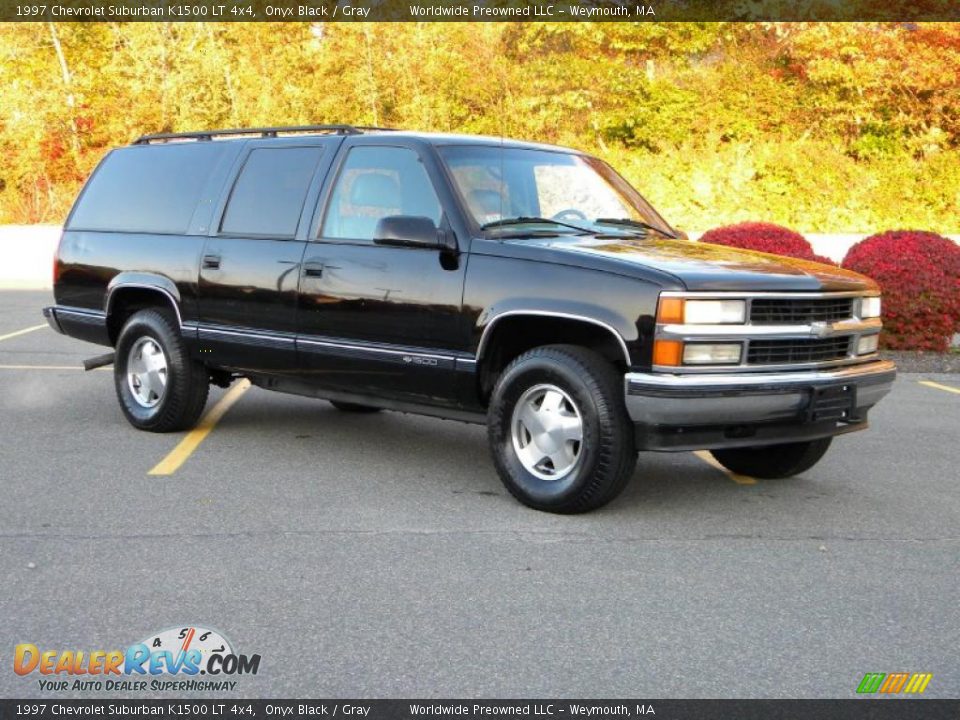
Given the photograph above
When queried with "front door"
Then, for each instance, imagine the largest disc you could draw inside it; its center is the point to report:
(374, 319)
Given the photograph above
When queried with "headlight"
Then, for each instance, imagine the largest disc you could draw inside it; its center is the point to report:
(702, 312)
(711, 354)
(868, 344)
(870, 307)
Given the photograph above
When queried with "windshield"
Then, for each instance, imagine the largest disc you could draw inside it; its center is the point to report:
(516, 186)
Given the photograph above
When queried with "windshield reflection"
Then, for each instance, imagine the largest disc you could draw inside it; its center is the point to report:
(507, 186)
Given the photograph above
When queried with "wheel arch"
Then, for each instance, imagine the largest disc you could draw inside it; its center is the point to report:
(513, 332)
(129, 292)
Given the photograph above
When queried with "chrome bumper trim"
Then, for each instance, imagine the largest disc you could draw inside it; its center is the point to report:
(744, 398)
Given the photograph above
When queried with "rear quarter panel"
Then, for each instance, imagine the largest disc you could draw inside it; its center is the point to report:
(89, 261)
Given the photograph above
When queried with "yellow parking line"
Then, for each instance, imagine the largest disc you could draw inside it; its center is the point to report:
(938, 386)
(179, 455)
(711, 461)
(23, 332)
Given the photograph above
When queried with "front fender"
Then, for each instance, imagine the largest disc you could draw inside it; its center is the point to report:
(499, 287)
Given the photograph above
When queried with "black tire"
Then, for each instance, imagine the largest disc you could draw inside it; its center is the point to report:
(187, 381)
(353, 407)
(606, 455)
(772, 462)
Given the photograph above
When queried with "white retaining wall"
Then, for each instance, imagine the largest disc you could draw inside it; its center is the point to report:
(26, 256)
(26, 253)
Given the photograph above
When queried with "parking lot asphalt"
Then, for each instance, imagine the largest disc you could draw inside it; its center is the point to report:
(379, 555)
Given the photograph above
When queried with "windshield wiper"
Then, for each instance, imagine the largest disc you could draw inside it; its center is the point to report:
(509, 222)
(630, 223)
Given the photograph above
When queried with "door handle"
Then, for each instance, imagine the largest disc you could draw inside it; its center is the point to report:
(211, 262)
(313, 269)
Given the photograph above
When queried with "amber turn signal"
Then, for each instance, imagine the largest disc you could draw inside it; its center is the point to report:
(667, 352)
(670, 310)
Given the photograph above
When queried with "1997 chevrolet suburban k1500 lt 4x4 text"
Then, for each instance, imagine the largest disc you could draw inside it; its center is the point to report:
(525, 286)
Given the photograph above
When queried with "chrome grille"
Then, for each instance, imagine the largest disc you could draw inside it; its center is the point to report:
(777, 352)
(791, 311)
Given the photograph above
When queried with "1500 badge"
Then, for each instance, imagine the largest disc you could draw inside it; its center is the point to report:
(419, 360)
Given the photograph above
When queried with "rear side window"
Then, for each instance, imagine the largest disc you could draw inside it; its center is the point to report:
(150, 189)
(268, 196)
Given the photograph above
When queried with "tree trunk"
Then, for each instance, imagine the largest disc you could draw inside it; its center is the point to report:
(67, 82)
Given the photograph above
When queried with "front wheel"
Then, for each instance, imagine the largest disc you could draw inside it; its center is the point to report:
(160, 388)
(772, 462)
(559, 432)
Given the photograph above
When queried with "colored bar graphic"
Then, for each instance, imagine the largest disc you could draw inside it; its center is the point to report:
(918, 682)
(893, 683)
(871, 682)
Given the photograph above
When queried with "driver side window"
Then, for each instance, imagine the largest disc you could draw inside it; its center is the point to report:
(376, 182)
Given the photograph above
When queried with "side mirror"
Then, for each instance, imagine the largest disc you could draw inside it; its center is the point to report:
(408, 231)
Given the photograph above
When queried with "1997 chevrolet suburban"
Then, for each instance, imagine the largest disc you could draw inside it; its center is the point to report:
(524, 286)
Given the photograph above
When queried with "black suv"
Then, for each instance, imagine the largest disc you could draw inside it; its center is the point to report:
(524, 286)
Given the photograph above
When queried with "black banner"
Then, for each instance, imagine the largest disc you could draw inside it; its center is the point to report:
(891, 709)
(475, 10)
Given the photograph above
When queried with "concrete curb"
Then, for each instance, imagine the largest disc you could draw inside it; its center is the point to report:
(26, 253)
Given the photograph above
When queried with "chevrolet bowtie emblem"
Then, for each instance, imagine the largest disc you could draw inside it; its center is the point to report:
(820, 329)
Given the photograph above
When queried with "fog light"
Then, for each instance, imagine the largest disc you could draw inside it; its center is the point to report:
(714, 312)
(704, 354)
(870, 307)
(667, 352)
(867, 344)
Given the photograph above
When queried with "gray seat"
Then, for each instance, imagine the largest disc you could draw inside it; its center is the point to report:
(373, 195)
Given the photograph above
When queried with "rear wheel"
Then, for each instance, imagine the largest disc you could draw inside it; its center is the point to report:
(773, 461)
(160, 388)
(558, 430)
(353, 407)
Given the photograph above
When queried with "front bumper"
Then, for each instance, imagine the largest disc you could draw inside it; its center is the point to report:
(680, 412)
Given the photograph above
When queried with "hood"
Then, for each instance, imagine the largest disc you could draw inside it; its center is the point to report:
(701, 266)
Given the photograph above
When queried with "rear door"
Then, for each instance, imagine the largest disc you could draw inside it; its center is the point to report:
(250, 264)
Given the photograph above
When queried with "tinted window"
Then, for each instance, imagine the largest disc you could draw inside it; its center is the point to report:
(152, 189)
(373, 183)
(268, 196)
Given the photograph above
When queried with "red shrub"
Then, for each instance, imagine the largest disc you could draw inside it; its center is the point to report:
(764, 237)
(919, 273)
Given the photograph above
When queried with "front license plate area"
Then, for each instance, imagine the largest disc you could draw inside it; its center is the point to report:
(832, 402)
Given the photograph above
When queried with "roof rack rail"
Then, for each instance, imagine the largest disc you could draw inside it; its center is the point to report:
(374, 128)
(266, 132)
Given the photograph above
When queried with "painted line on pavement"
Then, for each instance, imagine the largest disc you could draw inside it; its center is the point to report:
(182, 452)
(22, 332)
(712, 462)
(938, 386)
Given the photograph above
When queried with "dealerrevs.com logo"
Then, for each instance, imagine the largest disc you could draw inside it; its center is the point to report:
(169, 660)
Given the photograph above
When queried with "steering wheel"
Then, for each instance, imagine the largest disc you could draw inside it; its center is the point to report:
(569, 214)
